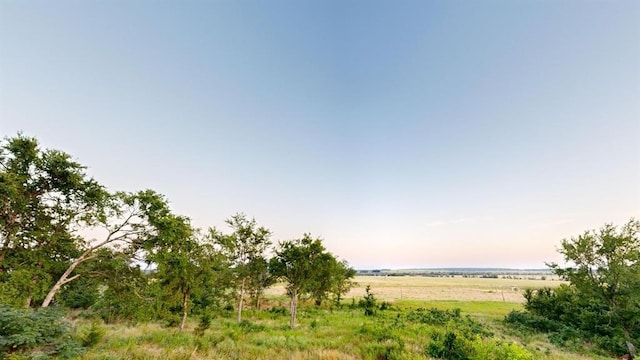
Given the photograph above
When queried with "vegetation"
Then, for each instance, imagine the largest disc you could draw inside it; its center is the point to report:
(601, 305)
(147, 284)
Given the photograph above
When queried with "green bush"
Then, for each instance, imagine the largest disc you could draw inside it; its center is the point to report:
(498, 350)
(41, 332)
(93, 335)
(449, 346)
(369, 303)
(452, 345)
(433, 316)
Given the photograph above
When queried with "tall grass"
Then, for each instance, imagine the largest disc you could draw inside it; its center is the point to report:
(328, 333)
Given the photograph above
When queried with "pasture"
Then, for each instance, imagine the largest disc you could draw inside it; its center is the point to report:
(426, 288)
(345, 333)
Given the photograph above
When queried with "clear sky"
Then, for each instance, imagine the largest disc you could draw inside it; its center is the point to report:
(404, 133)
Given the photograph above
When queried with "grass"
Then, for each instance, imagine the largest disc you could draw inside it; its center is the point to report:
(345, 333)
(395, 288)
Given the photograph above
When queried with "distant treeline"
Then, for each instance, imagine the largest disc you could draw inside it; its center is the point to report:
(464, 272)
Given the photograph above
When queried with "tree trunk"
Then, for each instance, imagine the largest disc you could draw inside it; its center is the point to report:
(294, 307)
(185, 299)
(65, 278)
(27, 302)
(257, 305)
(241, 299)
(630, 348)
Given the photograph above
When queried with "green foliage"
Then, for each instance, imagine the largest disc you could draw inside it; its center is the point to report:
(27, 331)
(93, 335)
(296, 262)
(452, 345)
(449, 345)
(80, 294)
(369, 302)
(244, 248)
(203, 324)
(433, 316)
(46, 195)
(602, 303)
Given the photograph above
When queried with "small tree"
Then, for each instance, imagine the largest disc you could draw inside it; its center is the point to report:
(332, 277)
(261, 278)
(246, 244)
(343, 281)
(295, 262)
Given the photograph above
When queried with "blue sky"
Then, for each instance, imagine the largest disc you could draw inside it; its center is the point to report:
(404, 133)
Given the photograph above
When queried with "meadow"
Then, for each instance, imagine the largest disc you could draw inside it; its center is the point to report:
(405, 327)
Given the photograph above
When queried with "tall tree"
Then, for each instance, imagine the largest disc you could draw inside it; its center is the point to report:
(246, 243)
(127, 221)
(180, 260)
(44, 197)
(296, 262)
(604, 268)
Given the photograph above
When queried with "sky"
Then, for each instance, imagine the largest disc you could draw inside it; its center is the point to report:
(403, 133)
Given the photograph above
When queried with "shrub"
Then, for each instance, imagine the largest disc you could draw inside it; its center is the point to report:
(433, 316)
(93, 335)
(203, 324)
(28, 331)
(449, 346)
(369, 302)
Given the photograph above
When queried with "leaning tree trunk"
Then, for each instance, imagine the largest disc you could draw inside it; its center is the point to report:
(185, 299)
(240, 300)
(65, 277)
(294, 307)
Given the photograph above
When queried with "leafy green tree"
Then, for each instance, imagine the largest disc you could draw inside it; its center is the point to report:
(246, 244)
(342, 281)
(261, 278)
(128, 221)
(295, 262)
(188, 265)
(176, 256)
(46, 196)
(332, 277)
(604, 268)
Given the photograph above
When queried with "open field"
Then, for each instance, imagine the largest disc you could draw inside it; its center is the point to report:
(322, 333)
(424, 288)
(345, 333)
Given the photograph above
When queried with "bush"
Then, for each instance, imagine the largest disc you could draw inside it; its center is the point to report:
(203, 324)
(449, 346)
(433, 316)
(35, 332)
(527, 321)
(94, 335)
(458, 346)
(381, 342)
(369, 302)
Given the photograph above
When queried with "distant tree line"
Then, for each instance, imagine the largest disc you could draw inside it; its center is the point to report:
(143, 261)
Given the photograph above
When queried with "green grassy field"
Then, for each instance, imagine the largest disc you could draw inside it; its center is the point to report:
(344, 333)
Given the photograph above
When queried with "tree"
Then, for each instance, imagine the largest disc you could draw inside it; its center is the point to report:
(180, 260)
(295, 262)
(128, 221)
(246, 244)
(260, 279)
(45, 196)
(332, 277)
(604, 269)
(342, 281)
